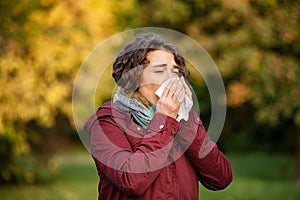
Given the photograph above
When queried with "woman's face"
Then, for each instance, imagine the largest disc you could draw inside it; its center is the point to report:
(162, 66)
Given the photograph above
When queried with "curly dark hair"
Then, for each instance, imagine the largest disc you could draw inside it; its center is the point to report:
(133, 58)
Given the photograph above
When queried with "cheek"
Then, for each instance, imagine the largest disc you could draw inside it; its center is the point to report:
(153, 86)
(150, 86)
(150, 82)
(152, 79)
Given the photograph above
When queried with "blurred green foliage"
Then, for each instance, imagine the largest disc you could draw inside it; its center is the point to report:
(255, 44)
(42, 44)
(78, 180)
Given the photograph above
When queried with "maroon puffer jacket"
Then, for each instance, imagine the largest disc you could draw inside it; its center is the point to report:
(165, 161)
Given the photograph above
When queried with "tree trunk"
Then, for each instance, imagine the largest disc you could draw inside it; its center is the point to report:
(298, 158)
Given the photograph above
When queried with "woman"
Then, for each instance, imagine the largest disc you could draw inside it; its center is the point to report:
(141, 148)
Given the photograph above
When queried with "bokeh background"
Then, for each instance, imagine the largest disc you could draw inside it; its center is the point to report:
(255, 44)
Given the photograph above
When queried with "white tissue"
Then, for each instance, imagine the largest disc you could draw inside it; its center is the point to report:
(185, 106)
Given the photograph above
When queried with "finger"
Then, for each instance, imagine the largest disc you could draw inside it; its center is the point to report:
(179, 93)
(181, 96)
(179, 89)
(183, 83)
(173, 87)
(167, 89)
(186, 87)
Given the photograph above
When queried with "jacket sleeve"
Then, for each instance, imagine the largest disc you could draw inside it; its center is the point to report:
(132, 172)
(212, 167)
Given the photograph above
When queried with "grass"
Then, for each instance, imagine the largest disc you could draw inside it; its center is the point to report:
(256, 176)
(259, 176)
(77, 179)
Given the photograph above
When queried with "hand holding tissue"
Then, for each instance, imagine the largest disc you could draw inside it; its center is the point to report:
(185, 106)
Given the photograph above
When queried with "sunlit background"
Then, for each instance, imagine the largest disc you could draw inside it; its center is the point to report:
(254, 43)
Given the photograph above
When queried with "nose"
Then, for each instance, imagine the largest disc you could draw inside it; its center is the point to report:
(171, 74)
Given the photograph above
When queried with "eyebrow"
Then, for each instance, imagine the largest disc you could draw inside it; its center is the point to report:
(164, 65)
